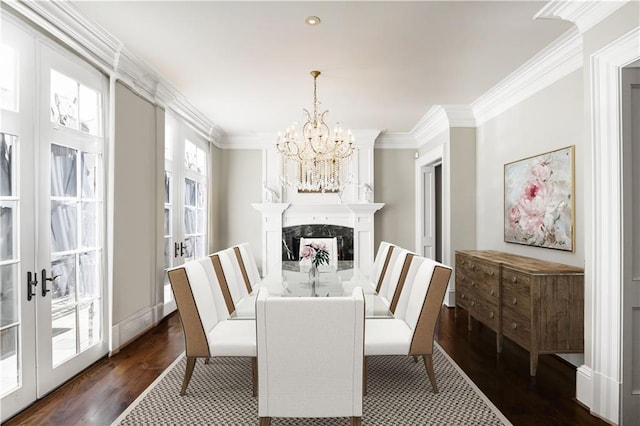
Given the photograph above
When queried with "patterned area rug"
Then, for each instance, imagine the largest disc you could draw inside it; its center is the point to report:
(399, 393)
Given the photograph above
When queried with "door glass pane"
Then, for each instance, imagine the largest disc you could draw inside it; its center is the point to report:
(167, 222)
(89, 320)
(63, 288)
(64, 100)
(201, 191)
(8, 230)
(7, 169)
(63, 171)
(88, 287)
(189, 221)
(64, 226)
(9, 313)
(189, 245)
(8, 78)
(63, 334)
(167, 187)
(89, 224)
(167, 253)
(9, 364)
(89, 111)
(189, 192)
(90, 175)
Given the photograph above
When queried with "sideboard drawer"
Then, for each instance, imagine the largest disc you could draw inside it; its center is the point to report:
(516, 327)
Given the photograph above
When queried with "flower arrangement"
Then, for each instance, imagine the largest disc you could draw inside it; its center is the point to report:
(316, 252)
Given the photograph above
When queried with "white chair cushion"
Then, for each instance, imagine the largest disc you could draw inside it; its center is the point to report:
(249, 263)
(393, 274)
(216, 291)
(202, 294)
(386, 337)
(378, 263)
(233, 274)
(405, 294)
(419, 292)
(233, 338)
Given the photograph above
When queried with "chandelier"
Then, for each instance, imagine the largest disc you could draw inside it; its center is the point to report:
(315, 162)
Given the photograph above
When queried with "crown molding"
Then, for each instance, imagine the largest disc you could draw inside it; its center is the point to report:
(584, 14)
(558, 59)
(433, 123)
(63, 21)
(460, 115)
(395, 140)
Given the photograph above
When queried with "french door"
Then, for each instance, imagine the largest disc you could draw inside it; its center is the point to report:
(186, 183)
(51, 215)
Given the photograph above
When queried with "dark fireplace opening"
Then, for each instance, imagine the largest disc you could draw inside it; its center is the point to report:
(291, 239)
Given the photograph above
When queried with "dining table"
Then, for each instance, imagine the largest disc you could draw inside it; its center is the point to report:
(294, 280)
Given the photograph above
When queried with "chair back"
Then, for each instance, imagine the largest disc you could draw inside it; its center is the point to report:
(330, 243)
(248, 265)
(193, 296)
(233, 275)
(310, 355)
(395, 272)
(381, 263)
(419, 305)
(216, 288)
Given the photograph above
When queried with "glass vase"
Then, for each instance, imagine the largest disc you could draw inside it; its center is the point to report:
(314, 279)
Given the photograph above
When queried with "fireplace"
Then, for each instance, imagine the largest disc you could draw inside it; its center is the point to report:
(283, 224)
(291, 239)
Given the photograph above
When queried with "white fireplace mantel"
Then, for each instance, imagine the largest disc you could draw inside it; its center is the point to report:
(358, 216)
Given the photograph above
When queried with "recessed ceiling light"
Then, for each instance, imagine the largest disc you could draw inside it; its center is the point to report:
(312, 20)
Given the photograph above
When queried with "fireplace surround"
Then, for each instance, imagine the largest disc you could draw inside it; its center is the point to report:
(317, 219)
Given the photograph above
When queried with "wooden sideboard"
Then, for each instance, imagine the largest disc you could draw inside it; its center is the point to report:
(537, 304)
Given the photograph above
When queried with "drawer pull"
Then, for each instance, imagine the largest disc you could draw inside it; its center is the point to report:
(491, 315)
(514, 325)
(514, 301)
(473, 266)
(493, 292)
(463, 296)
(514, 279)
(473, 284)
(462, 262)
(491, 273)
(473, 303)
(462, 278)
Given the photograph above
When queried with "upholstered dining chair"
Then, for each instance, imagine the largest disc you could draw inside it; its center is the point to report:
(248, 265)
(393, 280)
(380, 266)
(205, 334)
(310, 356)
(233, 277)
(412, 329)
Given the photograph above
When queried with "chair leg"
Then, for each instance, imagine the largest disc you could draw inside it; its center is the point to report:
(415, 358)
(428, 363)
(254, 376)
(191, 362)
(356, 421)
(207, 360)
(365, 369)
(265, 421)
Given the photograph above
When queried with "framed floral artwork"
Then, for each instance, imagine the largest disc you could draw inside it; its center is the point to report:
(539, 202)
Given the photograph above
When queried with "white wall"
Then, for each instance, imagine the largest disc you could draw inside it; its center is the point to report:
(239, 185)
(549, 120)
(135, 207)
(394, 185)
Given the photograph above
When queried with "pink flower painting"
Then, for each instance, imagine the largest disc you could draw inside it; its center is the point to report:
(539, 201)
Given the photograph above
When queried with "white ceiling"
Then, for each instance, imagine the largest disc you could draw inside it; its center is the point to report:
(245, 65)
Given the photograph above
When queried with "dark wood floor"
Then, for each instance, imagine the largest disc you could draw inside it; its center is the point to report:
(102, 392)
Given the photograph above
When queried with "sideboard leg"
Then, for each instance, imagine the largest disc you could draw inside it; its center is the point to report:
(533, 363)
